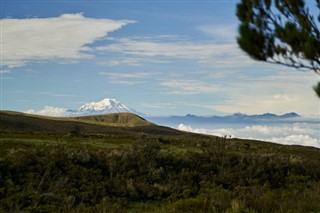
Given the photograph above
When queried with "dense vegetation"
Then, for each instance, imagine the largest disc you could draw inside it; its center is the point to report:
(46, 172)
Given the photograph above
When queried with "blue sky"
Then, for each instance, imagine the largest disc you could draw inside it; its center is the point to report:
(158, 57)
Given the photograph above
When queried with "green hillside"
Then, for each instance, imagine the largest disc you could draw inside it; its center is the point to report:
(115, 119)
(117, 123)
(122, 163)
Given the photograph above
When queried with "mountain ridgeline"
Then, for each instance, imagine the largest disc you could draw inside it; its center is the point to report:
(231, 119)
(114, 123)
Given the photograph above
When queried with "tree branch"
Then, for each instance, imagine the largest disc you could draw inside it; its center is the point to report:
(293, 65)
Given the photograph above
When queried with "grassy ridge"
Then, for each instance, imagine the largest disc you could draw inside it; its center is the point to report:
(118, 123)
(162, 170)
(114, 119)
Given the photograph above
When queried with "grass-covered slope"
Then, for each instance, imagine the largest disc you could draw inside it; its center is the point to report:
(117, 123)
(161, 170)
(115, 119)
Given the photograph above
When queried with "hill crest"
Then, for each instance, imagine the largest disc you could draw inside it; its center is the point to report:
(122, 119)
(116, 123)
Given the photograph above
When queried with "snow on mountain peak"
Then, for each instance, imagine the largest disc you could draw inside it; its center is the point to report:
(105, 106)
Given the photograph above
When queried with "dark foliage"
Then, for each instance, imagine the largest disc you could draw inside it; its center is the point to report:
(175, 175)
(281, 32)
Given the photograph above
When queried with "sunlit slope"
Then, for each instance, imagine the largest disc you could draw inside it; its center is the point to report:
(114, 119)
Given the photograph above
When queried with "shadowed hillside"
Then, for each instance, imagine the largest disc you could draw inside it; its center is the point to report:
(117, 123)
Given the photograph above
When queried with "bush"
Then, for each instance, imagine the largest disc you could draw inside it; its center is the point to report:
(76, 178)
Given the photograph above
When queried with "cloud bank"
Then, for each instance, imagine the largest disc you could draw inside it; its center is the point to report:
(64, 38)
(50, 111)
(305, 134)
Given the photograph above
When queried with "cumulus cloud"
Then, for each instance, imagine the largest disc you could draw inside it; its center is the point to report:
(289, 134)
(65, 37)
(49, 111)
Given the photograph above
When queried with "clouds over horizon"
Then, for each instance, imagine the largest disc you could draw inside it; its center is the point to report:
(56, 38)
(49, 111)
(305, 134)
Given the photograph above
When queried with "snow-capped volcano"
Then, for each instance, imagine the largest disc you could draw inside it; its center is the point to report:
(103, 107)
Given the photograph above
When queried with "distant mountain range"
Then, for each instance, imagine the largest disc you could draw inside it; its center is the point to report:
(107, 106)
(235, 118)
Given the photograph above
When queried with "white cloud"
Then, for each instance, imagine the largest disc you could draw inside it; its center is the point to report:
(5, 71)
(244, 85)
(116, 75)
(270, 91)
(304, 140)
(50, 111)
(6, 78)
(289, 134)
(277, 103)
(278, 92)
(219, 32)
(189, 87)
(65, 37)
(208, 53)
(131, 61)
(128, 78)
